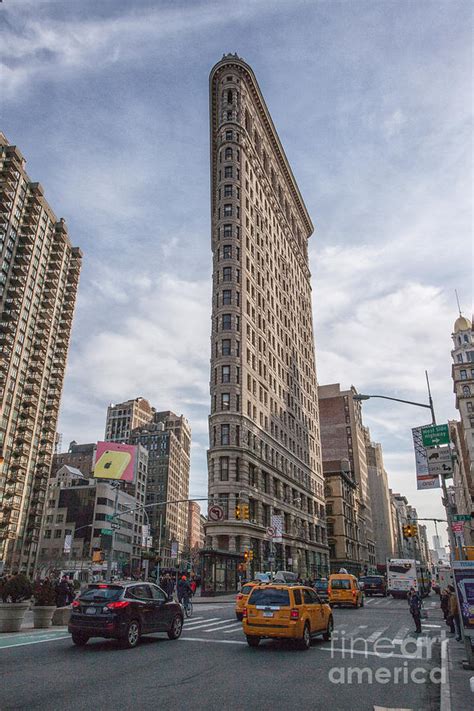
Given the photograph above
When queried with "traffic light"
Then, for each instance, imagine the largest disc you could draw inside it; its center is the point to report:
(410, 530)
(246, 555)
(250, 554)
(245, 512)
(238, 512)
(414, 530)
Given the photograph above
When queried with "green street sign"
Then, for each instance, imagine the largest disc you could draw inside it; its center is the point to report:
(435, 435)
(106, 531)
(462, 517)
(109, 517)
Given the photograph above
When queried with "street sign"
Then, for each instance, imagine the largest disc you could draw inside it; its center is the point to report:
(440, 460)
(109, 517)
(271, 532)
(457, 527)
(174, 549)
(424, 479)
(462, 517)
(435, 435)
(106, 531)
(215, 513)
(277, 524)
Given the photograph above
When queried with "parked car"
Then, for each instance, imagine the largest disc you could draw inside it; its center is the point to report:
(124, 611)
(374, 585)
(344, 590)
(286, 611)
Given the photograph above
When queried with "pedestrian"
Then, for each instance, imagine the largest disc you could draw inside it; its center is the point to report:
(64, 592)
(415, 605)
(444, 595)
(193, 586)
(453, 613)
(184, 590)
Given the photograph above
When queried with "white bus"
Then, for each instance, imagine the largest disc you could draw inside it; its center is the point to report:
(404, 573)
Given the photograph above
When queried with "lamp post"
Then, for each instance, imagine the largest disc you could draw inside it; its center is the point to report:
(429, 406)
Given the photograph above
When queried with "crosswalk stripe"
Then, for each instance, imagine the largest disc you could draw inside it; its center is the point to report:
(195, 619)
(221, 628)
(378, 633)
(233, 628)
(190, 625)
(204, 625)
(400, 635)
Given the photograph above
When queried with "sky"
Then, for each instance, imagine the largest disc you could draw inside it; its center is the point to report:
(108, 102)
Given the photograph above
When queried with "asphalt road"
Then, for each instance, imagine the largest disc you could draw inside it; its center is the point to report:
(211, 667)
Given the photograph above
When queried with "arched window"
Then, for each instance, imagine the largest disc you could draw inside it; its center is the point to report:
(466, 391)
(228, 154)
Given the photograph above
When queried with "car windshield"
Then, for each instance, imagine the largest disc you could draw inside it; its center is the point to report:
(321, 585)
(339, 584)
(102, 592)
(269, 596)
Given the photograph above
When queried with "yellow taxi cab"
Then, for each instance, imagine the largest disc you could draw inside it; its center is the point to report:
(286, 611)
(242, 597)
(343, 589)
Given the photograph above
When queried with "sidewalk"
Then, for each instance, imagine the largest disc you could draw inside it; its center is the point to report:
(455, 692)
(197, 599)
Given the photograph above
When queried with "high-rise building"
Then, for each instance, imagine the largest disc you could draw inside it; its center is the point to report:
(125, 417)
(462, 433)
(343, 437)
(38, 284)
(79, 456)
(168, 442)
(383, 534)
(264, 454)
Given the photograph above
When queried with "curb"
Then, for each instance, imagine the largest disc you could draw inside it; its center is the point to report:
(445, 694)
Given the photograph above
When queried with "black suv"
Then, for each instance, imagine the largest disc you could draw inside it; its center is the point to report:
(374, 585)
(124, 611)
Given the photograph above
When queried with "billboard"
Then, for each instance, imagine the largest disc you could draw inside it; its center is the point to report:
(424, 480)
(115, 461)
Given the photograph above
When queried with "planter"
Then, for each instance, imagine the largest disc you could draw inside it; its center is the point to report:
(42, 616)
(11, 615)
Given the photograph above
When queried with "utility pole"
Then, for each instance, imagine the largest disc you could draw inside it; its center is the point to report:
(114, 526)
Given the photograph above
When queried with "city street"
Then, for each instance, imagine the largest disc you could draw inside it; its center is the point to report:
(211, 666)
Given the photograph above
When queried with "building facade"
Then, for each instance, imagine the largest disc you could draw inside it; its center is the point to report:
(123, 418)
(76, 524)
(343, 436)
(384, 537)
(264, 452)
(38, 284)
(343, 517)
(168, 442)
(462, 432)
(79, 456)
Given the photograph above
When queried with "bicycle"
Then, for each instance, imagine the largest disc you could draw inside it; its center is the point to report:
(188, 607)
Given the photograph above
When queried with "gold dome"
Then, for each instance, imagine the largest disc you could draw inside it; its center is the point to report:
(462, 324)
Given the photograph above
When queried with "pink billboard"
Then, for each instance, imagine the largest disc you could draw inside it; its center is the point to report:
(115, 461)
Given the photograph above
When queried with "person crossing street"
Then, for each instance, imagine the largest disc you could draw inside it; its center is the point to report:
(415, 604)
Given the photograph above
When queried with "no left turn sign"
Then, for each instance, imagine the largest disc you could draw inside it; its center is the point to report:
(215, 513)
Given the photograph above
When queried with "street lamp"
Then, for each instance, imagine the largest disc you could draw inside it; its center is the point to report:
(429, 406)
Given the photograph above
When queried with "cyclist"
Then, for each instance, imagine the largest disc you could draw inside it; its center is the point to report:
(185, 592)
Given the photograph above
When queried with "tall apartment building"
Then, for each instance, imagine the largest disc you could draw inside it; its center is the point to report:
(384, 537)
(264, 431)
(167, 440)
(462, 433)
(343, 437)
(38, 284)
(125, 417)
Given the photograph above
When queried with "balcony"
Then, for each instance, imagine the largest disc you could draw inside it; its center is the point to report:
(25, 426)
(19, 269)
(26, 238)
(24, 437)
(6, 207)
(37, 355)
(6, 340)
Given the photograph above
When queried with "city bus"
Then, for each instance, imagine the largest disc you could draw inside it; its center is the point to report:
(405, 573)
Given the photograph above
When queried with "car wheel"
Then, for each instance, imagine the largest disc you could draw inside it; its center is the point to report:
(176, 628)
(239, 616)
(305, 641)
(328, 633)
(131, 636)
(253, 641)
(80, 640)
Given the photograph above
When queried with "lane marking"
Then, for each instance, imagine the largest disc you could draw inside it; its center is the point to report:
(347, 653)
(212, 641)
(426, 625)
(36, 641)
(190, 621)
(210, 620)
(229, 631)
